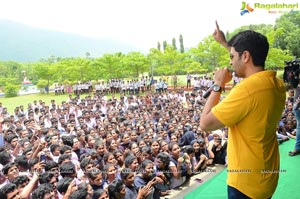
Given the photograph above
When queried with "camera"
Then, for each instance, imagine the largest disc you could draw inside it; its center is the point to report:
(43, 157)
(291, 72)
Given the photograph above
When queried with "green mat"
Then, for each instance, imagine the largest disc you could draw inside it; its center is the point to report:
(288, 185)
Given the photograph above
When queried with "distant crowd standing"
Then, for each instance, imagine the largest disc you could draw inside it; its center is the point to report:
(134, 86)
(136, 146)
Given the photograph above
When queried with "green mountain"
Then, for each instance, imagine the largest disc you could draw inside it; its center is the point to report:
(23, 43)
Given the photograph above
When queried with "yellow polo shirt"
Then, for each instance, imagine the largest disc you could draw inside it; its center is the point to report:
(252, 111)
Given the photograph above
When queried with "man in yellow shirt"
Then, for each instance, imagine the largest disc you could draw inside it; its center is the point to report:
(252, 111)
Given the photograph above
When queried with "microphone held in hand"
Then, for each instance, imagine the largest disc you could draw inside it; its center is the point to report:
(207, 93)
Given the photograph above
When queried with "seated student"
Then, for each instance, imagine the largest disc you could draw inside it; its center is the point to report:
(86, 164)
(179, 166)
(146, 177)
(10, 172)
(290, 129)
(100, 194)
(26, 185)
(110, 172)
(281, 134)
(127, 176)
(49, 178)
(9, 191)
(87, 188)
(43, 191)
(68, 169)
(219, 151)
(116, 189)
(119, 157)
(52, 167)
(131, 162)
(79, 194)
(63, 184)
(21, 182)
(95, 178)
(163, 171)
(200, 160)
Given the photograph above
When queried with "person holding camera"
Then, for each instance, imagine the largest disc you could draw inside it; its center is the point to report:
(258, 99)
(296, 111)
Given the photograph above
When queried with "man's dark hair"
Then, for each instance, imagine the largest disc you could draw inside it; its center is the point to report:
(41, 191)
(23, 141)
(8, 138)
(50, 164)
(45, 177)
(63, 157)
(7, 167)
(66, 169)
(67, 140)
(28, 149)
(84, 162)
(93, 173)
(254, 42)
(64, 148)
(53, 147)
(22, 161)
(6, 189)
(32, 162)
(20, 180)
(79, 194)
(4, 157)
(63, 184)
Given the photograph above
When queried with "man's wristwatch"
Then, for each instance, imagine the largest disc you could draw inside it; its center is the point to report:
(217, 88)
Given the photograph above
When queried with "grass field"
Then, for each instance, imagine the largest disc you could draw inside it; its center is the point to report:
(24, 100)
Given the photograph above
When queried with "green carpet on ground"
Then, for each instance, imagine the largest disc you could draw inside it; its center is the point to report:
(288, 185)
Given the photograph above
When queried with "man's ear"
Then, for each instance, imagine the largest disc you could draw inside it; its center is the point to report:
(246, 56)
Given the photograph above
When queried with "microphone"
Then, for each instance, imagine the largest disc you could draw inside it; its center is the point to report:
(207, 93)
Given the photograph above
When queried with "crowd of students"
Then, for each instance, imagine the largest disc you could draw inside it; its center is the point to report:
(94, 147)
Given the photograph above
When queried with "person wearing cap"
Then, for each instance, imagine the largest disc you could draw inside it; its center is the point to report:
(258, 99)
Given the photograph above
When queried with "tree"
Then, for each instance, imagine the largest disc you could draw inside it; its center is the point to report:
(135, 63)
(170, 61)
(110, 66)
(165, 44)
(154, 59)
(287, 32)
(181, 43)
(42, 84)
(44, 71)
(158, 46)
(174, 44)
(11, 90)
(276, 58)
(195, 67)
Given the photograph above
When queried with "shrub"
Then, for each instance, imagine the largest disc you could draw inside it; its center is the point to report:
(11, 90)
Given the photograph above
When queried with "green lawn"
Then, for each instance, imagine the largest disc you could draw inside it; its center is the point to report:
(24, 100)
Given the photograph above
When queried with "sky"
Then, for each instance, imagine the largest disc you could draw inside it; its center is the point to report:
(141, 23)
